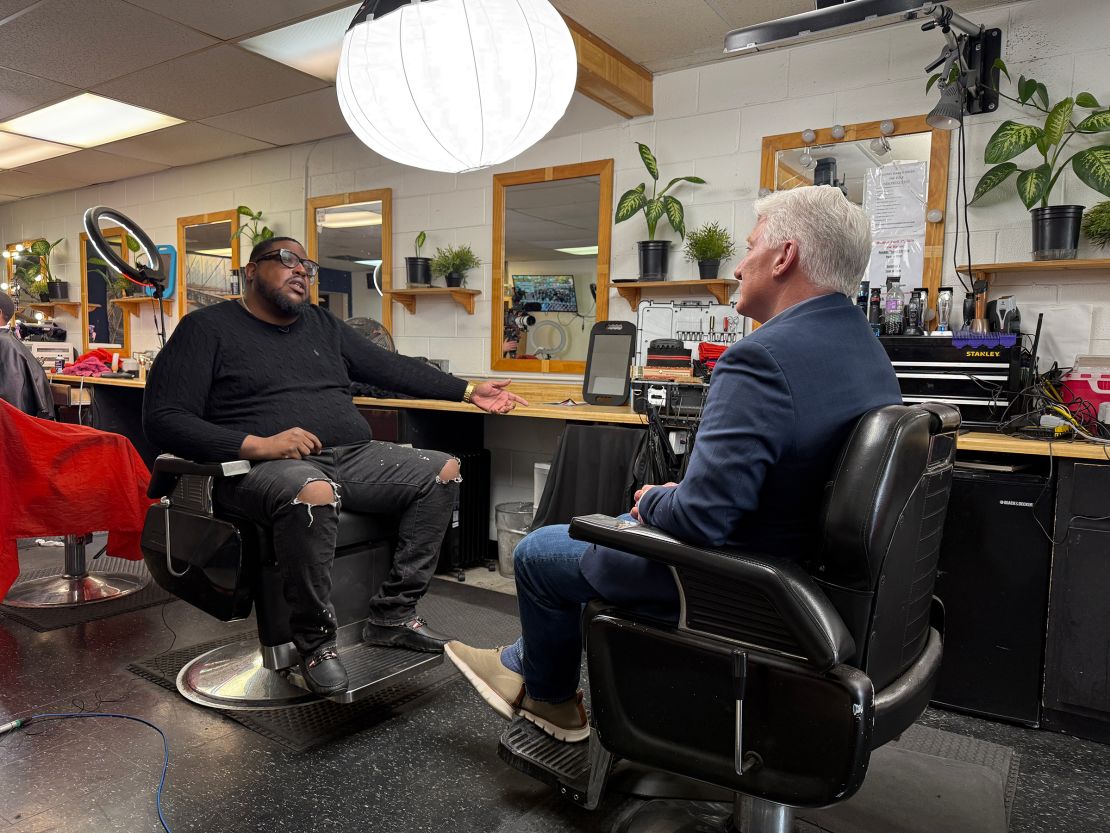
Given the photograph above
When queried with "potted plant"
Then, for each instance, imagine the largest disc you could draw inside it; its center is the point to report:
(251, 228)
(32, 271)
(419, 269)
(453, 263)
(1055, 227)
(654, 253)
(709, 244)
(1096, 225)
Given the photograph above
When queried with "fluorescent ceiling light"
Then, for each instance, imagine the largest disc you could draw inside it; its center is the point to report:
(312, 46)
(213, 252)
(20, 150)
(88, 120)
(838, 19)
(374, 263)
(348, 219)
(579, 250)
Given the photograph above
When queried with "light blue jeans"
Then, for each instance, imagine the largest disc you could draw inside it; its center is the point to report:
(551, 591)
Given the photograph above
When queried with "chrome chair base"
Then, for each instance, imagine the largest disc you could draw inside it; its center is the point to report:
(67, 591)
(233, 677)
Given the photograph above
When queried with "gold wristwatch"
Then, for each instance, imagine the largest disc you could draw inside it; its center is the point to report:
(469, 392)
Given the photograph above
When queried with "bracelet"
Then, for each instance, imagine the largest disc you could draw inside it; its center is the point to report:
(469, 392)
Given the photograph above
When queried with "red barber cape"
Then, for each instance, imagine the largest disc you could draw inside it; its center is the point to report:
(60, 479)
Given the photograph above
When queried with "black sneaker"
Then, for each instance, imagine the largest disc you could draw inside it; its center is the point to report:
(323, 671)
(413, 634)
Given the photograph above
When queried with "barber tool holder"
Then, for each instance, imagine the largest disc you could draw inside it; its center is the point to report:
(979, 373)
(690, 322)
(76, 586)
(678, 403)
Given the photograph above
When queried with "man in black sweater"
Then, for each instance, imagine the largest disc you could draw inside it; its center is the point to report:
(267, 379)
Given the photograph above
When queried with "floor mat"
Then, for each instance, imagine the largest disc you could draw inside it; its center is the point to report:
(52, 618)
(475, 616)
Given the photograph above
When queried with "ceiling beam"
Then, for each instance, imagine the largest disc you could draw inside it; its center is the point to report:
(608, 77)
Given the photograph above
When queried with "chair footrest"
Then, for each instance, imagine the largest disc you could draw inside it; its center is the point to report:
(565, 766)
(371, 668)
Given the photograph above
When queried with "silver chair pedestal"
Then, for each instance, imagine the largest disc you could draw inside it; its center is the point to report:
(235, 677)
(76, 586)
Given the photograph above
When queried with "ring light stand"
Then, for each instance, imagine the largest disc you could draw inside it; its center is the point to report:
(151, 274)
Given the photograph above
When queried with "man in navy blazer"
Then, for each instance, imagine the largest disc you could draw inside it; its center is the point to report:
(781, 405)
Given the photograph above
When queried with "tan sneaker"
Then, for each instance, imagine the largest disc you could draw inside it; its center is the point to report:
(500, 687)
(563, 721)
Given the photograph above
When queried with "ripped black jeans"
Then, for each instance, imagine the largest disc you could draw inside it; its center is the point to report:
(373, 477)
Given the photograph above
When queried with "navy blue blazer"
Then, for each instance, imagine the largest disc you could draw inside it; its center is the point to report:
(781, 405)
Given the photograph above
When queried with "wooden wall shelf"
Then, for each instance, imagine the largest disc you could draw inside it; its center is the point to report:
(407, 297)
(986, 270)
(68, 307)
(134, 303)
(721, 288)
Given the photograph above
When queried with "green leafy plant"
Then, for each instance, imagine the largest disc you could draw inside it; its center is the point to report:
(251, 228)
(32, 266)
(118, 285)
(1059, 125)
(710, 241)
(1096, 224)
(660, 204)
(419, 242)
(454, 259)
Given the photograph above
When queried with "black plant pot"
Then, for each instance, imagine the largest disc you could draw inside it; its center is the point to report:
(454, 278)
(57, 290)
(44, 297)
(654, 255)
(418, 271)
(709, 269)
(1056, 231)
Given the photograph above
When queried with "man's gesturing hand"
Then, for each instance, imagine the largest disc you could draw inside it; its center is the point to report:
(643, 490)
(492, 397)
(292, 444)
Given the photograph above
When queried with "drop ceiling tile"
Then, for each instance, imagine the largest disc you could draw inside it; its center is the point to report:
(20, 92)
(89, 167)
(226, 20)
(86, 43)
(22, 184)
(301, 118)
(220, 80)
(184, 144)
(10, 7)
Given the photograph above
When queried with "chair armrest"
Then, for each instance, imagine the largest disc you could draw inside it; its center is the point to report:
(760, 600)
(168, 469)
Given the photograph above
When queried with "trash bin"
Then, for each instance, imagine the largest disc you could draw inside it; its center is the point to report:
(513, 520)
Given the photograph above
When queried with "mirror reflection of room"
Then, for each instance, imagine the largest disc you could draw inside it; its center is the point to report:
(550, 289)
(208, 264)
(349, 250)
(105, 322)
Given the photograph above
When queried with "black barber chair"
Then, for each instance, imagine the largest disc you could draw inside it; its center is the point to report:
(224, 564)
(781, 676)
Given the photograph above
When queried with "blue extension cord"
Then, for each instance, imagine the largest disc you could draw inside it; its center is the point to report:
(19, 724)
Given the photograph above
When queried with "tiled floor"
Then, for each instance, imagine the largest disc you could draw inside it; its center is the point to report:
(431, 765)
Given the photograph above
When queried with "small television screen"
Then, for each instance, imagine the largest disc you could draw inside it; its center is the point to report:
(553, 293)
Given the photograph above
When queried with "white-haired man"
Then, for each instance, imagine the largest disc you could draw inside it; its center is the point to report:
(781, 406)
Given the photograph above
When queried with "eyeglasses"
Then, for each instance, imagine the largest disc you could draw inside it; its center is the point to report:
(291, 260)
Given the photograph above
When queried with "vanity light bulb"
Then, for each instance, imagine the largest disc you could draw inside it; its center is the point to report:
(934, 215)
(765, 192)
(806, 160)
(39, 316)
(19, 247)
(808, 136)
(838, 131)
(4, 286)
(7, 254)
(886, 127)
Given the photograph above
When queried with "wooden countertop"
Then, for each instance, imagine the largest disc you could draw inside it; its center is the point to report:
(541, 398)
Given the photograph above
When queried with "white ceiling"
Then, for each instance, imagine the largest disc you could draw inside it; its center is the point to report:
(181, 57)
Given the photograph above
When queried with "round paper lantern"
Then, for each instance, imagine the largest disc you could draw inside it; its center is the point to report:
(454, 85)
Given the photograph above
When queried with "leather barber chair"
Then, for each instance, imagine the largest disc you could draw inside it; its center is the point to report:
(781, 676)
(224, 565)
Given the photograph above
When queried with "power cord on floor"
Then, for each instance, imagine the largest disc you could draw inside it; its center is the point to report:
(36, 718)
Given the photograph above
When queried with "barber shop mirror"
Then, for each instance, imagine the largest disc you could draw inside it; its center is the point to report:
(551, 238)
(350, 236)
(208, 261)
(896, 169)
(108, 299)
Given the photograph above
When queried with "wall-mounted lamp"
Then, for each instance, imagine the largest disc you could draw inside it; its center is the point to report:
(968, 78)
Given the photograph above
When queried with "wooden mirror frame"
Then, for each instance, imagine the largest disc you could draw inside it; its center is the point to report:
(603, 170)
(937, 196)
(312, 238)
(125, 252)
(182, 290)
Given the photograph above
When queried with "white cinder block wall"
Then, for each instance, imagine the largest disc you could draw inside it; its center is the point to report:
(708, 121)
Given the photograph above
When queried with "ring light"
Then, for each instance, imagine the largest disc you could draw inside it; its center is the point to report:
(152, 273)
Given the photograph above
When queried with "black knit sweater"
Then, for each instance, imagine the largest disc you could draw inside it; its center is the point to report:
(225, 374)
